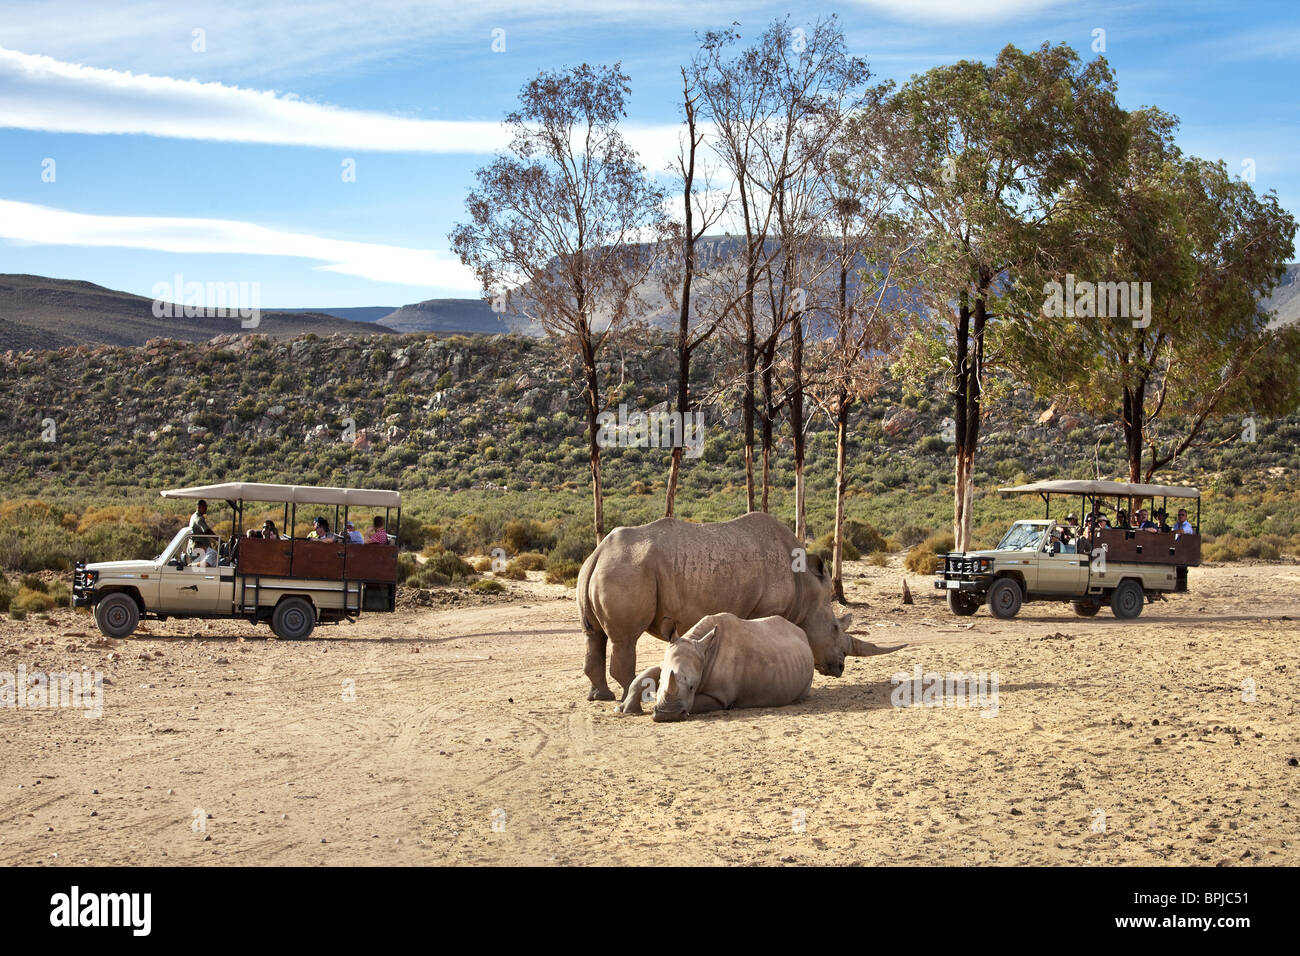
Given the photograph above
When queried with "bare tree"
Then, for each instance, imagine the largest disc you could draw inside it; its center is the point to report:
(566, 224)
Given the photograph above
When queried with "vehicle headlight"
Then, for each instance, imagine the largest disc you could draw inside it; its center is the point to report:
(985, 564)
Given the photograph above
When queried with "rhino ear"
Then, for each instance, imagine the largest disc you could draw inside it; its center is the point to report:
(846, 622)
(708, 645)
(816, 565)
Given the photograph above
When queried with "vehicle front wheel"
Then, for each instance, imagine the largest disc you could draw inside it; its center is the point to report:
(962, 604)
(1127, 600)
(1085, 608)
(117, 614)
(294, 619)
(1004, 598)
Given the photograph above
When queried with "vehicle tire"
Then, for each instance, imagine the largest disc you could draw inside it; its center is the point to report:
(962, 604)
(117, 614)
(1127, 599)
(1085, 608)
(1004, 598)
(294, 619)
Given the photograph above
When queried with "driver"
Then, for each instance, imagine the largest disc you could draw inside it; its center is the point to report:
(205, 555)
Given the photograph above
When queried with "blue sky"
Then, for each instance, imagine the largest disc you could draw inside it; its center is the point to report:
(224, 164)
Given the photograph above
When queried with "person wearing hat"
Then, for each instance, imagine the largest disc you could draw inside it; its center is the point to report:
(353, 535)
(320, 531)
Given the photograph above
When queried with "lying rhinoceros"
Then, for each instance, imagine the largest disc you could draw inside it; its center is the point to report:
(725, 662)
(639, 578)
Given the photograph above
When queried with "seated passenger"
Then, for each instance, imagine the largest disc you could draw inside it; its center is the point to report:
(352, 534)
(253, 533)
(205, 556)
(377, 533)
(269, 530)
(320, 531)
(1144, 523)
(1183, 526)
(1162, 519)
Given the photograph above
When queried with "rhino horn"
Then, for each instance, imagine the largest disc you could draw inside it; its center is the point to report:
(863, 648)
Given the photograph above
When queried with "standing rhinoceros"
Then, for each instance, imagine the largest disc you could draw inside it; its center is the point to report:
(641, 579)
(724, 662)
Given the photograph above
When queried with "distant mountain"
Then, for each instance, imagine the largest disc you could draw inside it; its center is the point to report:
(1285, 299)
(446, 315)
(364, 313)
(43, 313)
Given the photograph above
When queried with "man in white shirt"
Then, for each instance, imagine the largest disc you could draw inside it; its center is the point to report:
(353, 535)
(1183, 526)
(204, 554)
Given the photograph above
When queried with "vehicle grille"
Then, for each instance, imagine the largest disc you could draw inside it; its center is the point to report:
(959, 564)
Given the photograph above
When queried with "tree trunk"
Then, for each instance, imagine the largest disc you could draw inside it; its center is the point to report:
(968, 388)
(841, 487)
(767, 416)
(1134, 408)
(593, 443)
(796, 424)
(748, 398)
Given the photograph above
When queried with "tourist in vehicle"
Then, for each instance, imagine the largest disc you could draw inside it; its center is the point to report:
(1144, 522)
(1161, 518)
(253, 533)
(377, 533)
(320, 531)
(1183, 526)
(353, 535)
(198, 520)
(269, 530)
(205, 556)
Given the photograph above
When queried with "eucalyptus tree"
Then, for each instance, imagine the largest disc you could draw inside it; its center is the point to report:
(565, 225)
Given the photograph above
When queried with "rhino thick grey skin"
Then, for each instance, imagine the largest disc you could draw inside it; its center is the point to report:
(724, 662)
(642, 578)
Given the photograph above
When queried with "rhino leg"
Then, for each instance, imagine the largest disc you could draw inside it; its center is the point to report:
(595, 668)
(647, 682)
(623, 666)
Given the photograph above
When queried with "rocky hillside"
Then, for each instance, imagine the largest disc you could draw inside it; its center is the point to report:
(421, 411)
(37, 311)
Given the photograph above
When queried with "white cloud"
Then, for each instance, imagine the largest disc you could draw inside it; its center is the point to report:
(32, 224)
(40, 93)
(960, 11)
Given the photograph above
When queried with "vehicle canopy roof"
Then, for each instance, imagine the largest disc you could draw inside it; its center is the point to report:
(1107, 489)
(296, 494)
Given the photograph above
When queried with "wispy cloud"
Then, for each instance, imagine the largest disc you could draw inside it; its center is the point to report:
(33, 224)
(41, 93)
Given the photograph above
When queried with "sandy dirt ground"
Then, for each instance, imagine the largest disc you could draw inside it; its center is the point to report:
(461, 734)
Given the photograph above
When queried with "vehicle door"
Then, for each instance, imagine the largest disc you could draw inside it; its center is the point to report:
(189, 589)
(1063, 572)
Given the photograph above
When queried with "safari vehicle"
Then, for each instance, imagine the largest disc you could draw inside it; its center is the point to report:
(290, 583)
(1043, 560)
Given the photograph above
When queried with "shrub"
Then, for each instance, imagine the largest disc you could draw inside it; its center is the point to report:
(450, 565)
(530, 561)
(33, 583)
(824, 548)
(878, 559)
(512, 573)
(482, 564)
(18, 615)
(6, 593)
(865, 538)
(488, 586)
(527, 535)
(576, 541)
(60, 594)
(563, 572)
(28, 600)
(426, 577)
(920, 561)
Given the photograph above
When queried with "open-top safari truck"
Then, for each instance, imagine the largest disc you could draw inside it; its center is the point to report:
(291, 583)
(1087, 565)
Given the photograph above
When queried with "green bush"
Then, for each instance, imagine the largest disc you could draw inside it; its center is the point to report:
(824, 548)
(29, 601)
(60, 594)
(6, 593)
(529, 561)
(450, 565)
(563, 572)
(512, 573)
(488, 585)
(576, 541)
(34, 583)
(865, 537)
(527, 535)
(878, 559)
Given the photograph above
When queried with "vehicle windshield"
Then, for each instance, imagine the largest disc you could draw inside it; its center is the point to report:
(1023, 536)
(175, 542)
